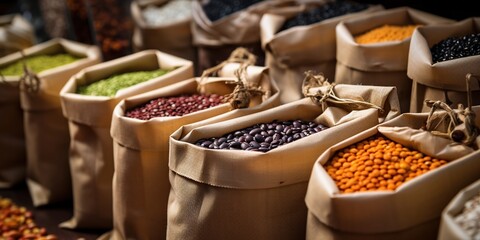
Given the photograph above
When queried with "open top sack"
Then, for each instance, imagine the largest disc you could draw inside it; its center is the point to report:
(221, 193)
(444, 80)
(90, 117)
(291, 52)
(380, 63)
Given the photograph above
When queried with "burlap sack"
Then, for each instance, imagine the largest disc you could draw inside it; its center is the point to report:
(172, 38)
(16, 33)
(91, 148)
(449, 229)
(215, 40)
(379, 64)
(444, 81)
(46, 129)
(232, 194)
(140, 184)
(291, 52)
(410, 212)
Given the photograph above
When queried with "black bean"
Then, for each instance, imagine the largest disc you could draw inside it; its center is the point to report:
(456, 47)
(216, 9)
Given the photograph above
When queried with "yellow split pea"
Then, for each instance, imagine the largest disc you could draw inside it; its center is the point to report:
(377, 163)
(386, 33)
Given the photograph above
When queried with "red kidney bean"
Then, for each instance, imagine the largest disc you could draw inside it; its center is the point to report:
(174, 106)
(263, 137)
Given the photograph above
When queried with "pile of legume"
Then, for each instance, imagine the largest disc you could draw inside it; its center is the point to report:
(326, 11)
(17, 223)
(174, 106)
(216, 9)
(170, 12)
(110, 86)
(38, 63)
(456, 47)
(263, 136)
(377, 163)
(386, 33)
(469, 218)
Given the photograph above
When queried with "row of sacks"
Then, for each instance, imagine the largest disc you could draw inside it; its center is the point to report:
(146, 179)
(326, 46)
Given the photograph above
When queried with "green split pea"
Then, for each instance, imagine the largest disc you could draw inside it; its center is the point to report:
(109, 86)
(38, 63)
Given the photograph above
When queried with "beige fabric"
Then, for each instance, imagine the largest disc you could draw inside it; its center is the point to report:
(140, 183)
(289, 52)
(449, 229)
(16, 33)
(444, 81)
(173, 38)
(232, 194)
(91, 148)
(46, 129)
(381, 64)
(383, 212)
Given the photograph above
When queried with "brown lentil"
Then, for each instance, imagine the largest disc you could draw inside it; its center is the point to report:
(174, 106)
(369, 165)
(17, 223)
(386, 33)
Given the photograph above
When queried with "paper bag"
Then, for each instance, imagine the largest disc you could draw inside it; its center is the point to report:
(409, 211)
(237, 194)
(89, 119)
(444, 81)
(16, 33)
(383, 63)
(291, 52)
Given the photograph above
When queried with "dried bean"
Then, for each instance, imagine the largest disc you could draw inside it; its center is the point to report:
(469, 218)
(456, 47)
(377, 163)
(326, 11)
(386, 33)
(177, 106)
(261, 137)
(216, 9)
(17, 223)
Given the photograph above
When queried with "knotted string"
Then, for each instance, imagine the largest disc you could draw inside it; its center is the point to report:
(328, 97)
(460, 123)
(29, 81)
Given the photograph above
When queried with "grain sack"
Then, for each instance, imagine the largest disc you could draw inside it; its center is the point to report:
(435, 169)
(16, 33)
(165, 26)
(460, 217)
(241, 194)
(443, 80)
(50, 65)
(292, 50)
(89, 118)
(373, 49)
(141, 186)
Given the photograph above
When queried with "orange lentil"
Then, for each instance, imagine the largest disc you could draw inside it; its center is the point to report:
(386, 33)
(385, 167)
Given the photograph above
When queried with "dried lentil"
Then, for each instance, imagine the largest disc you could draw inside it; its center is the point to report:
(456, 47)
(17, 223)
(38, 63)
(111, 85)
(377, 163)
(216, 9)
(326, 11)
(263, 137)
(386, 33)
(174, 106)
(172, 11)
(469, 218)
